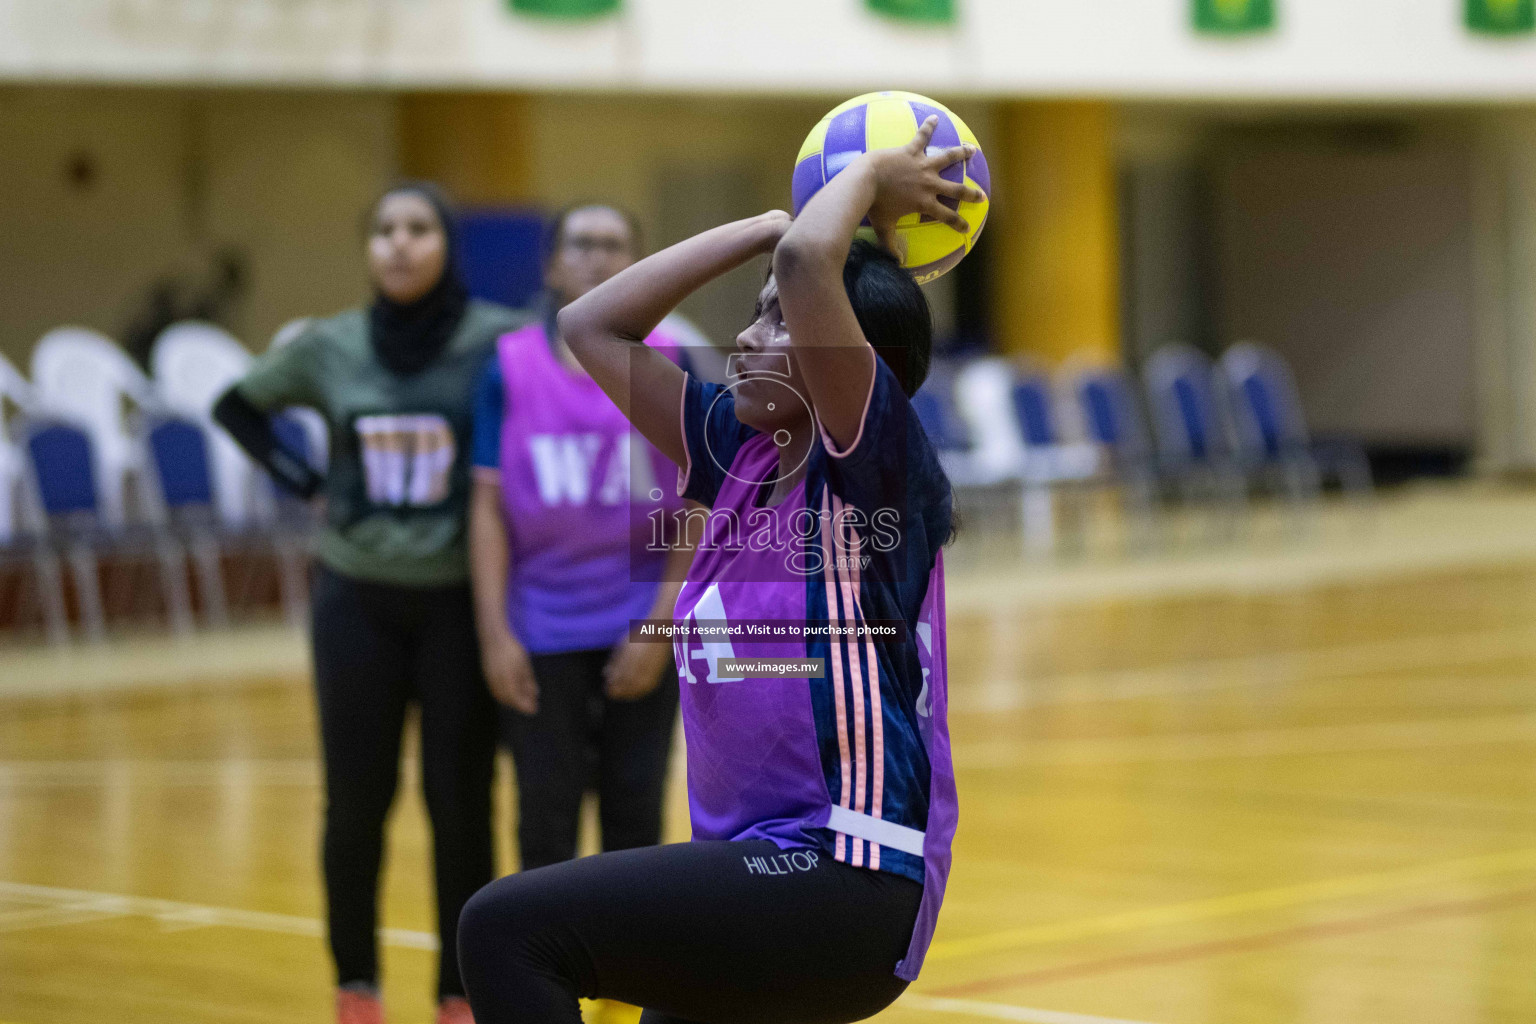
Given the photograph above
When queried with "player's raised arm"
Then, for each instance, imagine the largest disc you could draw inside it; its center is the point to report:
(830, 347)
(606, 327)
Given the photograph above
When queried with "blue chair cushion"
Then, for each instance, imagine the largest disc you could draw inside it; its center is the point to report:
(940, 421)
(292, 435)
(66, 475)
(181, 458)
(1261, 399)
(1104, 423)
(1192, 409)
(1032, 406)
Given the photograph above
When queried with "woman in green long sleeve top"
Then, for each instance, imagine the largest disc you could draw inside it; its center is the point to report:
(393, 619)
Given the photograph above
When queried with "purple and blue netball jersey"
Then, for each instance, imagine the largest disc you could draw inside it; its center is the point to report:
(855, 763)
(578, 484)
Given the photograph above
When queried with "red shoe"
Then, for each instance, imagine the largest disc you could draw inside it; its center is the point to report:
(358, 1006)
(454, 1010)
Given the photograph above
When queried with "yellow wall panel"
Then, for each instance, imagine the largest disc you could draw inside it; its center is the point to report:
(477, 144)
(1055, 232)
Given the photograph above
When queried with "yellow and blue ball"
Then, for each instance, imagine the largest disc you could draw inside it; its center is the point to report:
(884, 120)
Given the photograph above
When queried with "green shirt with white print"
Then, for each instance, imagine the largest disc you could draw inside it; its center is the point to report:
(397, 485)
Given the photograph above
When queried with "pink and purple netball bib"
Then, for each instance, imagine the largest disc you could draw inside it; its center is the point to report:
(578, 484)
(854, 760)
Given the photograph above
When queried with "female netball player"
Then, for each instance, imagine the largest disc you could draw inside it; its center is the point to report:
(393, 620)
(562, 485)
(823, 806)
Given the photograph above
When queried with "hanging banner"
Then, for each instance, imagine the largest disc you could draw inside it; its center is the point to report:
(940, 12)
(1502, 17)
(1234, 17)
(567, 9)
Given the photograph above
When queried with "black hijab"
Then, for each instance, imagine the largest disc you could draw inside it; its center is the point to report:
(409, 337)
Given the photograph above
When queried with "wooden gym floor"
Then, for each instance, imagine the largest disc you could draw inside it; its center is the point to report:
(1225, 803)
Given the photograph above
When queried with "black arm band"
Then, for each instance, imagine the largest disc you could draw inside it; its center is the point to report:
(252, 430)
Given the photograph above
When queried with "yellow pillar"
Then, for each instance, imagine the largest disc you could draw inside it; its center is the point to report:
(475, 144)
(1056, 289)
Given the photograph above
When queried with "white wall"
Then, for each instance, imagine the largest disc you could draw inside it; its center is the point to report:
(281, 177)
(1378, 49)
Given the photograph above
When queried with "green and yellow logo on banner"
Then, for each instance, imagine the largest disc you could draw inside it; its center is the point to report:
(932, 11)
(1502, 17)
(1234, 17)
(569, 9)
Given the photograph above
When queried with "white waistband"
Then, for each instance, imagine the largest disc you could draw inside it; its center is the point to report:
(876, 830)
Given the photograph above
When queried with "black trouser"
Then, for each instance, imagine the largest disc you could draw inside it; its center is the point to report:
(710, 932)
(579, 740)
(377, 649)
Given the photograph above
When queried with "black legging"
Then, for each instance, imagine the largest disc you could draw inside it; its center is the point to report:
(377, 649)
(555, 750)
(708, 932)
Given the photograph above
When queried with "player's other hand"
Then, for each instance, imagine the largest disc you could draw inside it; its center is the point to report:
(635, 669)
(774, 223)
(509, 672)
(907, 181)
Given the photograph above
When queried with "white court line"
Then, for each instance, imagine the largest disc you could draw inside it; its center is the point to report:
(70, 906)
(53, 917)
(1004, 1011)
(174, 916)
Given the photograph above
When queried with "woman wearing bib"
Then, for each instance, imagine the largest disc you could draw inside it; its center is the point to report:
(565, 495)
(823, 802)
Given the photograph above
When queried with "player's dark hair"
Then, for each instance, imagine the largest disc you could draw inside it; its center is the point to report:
(554, 231)
(892, 312)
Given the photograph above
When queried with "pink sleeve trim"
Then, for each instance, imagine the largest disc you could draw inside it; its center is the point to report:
(826, 440)
(686, 470)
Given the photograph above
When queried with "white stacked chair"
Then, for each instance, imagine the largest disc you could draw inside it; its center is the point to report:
(82, 376)
(989, 393)
(22, 527)
(193, 364)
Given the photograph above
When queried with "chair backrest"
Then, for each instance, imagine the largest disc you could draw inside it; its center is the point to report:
(1031, 396)
(13, 489)
(15, 389)
(316, 434)
(178, 449)
(63, 467)
(934, 404)
(1267, 407)
(1186, 404)
(194, 363)
(293, 434)
(984, 395)
(1108, 410)
(82, 375)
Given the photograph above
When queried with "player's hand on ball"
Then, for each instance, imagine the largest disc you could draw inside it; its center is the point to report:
(634, 669)
(907, 181)
(510, 673)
